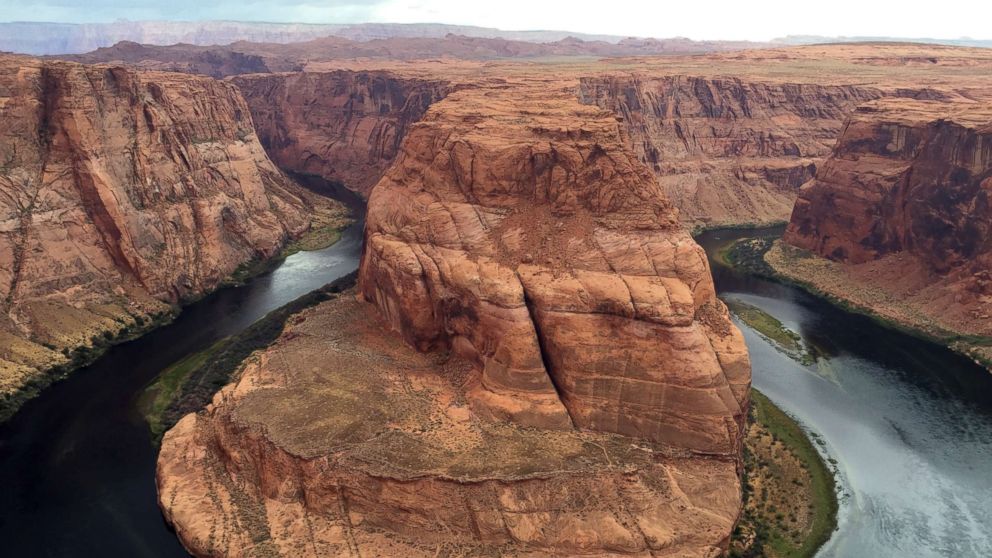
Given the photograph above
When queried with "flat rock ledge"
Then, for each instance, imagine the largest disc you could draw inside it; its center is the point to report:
(341, 439)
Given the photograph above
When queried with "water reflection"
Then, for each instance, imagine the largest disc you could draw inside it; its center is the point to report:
(909, 422)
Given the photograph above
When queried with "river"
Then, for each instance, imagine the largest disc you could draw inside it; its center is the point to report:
(77, 466)
(908, 422)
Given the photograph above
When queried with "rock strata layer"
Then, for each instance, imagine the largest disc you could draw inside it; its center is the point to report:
(731, 150)
(343, 126)
(122, 192)
(730, 137)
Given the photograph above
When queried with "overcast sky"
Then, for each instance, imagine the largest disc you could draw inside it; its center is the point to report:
(708, 19)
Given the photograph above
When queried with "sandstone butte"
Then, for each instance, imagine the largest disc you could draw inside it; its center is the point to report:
(122, 192)
(536, 363)
(903, 206)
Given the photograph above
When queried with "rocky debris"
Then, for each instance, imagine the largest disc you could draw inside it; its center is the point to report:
(903, 204)
(343, 126)
(342, 440)
(122, 192)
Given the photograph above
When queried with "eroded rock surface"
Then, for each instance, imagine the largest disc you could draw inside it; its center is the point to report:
(122, 192)
(904, 176)
(343, 126)
(730, 150)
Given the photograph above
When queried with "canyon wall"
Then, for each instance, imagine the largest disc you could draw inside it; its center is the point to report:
(343, 126)
(535, 363)
(122, 192)
(904, 176)
(903, 207)
(728, 150)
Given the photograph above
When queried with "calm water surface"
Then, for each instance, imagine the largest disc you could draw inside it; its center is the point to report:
(77, 468)
(908, 422)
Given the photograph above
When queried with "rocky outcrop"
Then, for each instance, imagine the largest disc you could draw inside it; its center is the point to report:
(343, 126)
(216, 62)
(903, 203)
(542, 250)
(537, 365)
(728, 150)
(342, 440)
(122, 192)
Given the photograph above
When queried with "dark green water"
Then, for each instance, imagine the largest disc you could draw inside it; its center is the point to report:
(908, 422)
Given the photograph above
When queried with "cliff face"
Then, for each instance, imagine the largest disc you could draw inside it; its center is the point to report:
(905, 176)
(728, 150)
(343, 126)
(538, 364)
(121, 191)
(903, 203)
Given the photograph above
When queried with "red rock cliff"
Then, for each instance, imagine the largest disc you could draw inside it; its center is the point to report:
(904, 206)
(905, 175)
(728, 150)
(120, 190)
(344, 126)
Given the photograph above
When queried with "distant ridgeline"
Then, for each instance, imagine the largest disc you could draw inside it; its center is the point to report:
(41, 38)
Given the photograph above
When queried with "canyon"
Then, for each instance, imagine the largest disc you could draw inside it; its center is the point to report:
(527, 284)
(533, 359)
(123, 193)
(900, 214)
(730, 137)
(537, 362)
(731, 150)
